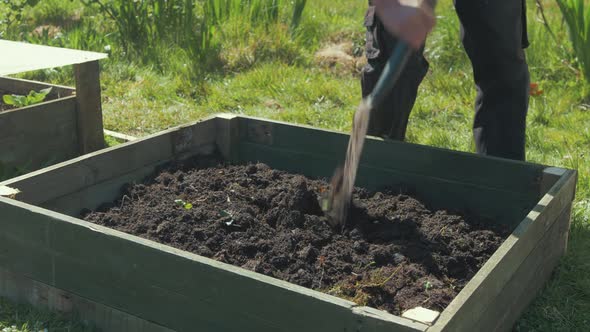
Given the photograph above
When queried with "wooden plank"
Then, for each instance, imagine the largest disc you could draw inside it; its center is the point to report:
(22, 254)
(79, 173)
(93, 196)
(119, 136)
(469, 168)
(173, 288)
(23, 244)
(526, 282)
(23, 87)
(380, 321)
(228, 136)
(190, 139)
(18, 57)
(471, 303)
(38, 135)
(89, 106)
(550, 176)
(21, 289)
(201, 295)
(36, 118)
(506, 207)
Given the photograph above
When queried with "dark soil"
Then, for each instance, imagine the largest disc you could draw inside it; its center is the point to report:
(394, 255)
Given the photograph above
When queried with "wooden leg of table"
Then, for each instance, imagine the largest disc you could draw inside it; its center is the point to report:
(90, 127)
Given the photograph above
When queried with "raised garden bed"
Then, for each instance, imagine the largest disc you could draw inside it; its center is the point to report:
(394, 254)
(222, 247)
(66, 124)
(37, 135)
(43, 134)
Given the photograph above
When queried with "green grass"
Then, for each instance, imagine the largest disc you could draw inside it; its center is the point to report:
(23, 318)
(274, 74)
(576, 14)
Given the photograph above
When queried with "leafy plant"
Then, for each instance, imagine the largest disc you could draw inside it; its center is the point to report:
(576, 14)
(26, 100)
(427, 286)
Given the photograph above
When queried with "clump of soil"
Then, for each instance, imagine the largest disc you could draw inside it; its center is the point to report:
(395, 254)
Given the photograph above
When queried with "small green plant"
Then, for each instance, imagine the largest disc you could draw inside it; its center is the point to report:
(427, 286)
(26, 100)
(185, 205)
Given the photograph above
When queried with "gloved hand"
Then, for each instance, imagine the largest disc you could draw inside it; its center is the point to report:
(408, 20)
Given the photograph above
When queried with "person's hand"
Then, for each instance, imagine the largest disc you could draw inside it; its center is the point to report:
(408, 20)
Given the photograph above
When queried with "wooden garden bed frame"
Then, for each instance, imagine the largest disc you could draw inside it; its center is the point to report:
(121, 282)
(69, 124)
(49, 132)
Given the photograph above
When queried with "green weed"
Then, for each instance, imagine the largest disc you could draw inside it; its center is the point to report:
(576, 14)
(185, 205)
(32, 98)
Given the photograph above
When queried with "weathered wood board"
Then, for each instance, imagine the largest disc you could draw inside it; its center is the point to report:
(43, 240)
(89, 107)
(19, 288)
(23, 87)
(43, 134)
(504, 286)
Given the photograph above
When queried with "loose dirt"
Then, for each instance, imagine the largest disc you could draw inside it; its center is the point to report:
(395, 253)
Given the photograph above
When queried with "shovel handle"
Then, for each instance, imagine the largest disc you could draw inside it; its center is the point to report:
(393, 68)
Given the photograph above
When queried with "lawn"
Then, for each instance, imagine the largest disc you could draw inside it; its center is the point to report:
(309, 74)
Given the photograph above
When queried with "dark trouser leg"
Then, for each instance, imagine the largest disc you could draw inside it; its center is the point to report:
(492, 33)
(390, 119)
